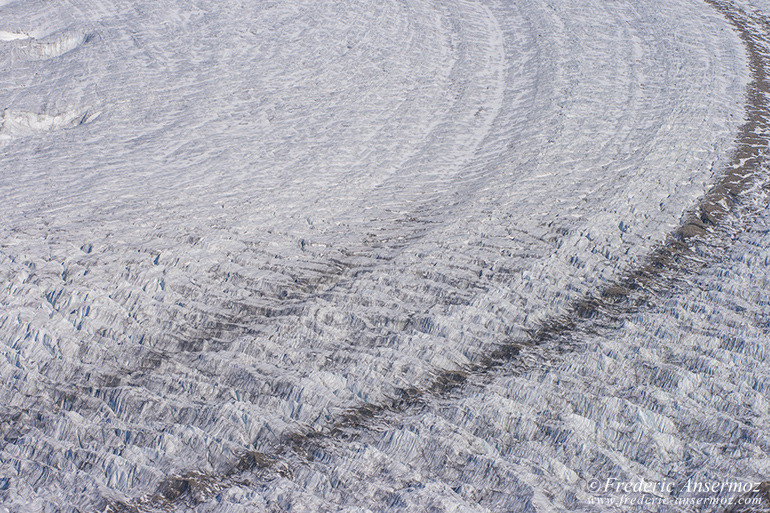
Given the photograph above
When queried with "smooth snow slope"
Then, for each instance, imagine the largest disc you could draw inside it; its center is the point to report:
(226, 223)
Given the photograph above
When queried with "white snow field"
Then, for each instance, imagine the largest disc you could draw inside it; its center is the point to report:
(267, 256)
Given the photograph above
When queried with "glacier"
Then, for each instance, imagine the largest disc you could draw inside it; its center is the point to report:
(375, 255)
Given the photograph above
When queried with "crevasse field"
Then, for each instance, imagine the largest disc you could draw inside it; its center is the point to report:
(383, 255)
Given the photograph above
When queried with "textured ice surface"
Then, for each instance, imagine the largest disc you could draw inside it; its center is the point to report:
(677, 393)
(226, 223)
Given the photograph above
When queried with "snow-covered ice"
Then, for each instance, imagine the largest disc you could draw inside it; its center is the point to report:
(229, 227)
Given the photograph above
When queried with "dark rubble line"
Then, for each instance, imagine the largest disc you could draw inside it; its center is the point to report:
(708, 228)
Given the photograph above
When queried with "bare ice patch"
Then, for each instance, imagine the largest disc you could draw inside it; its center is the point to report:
(39, 45)
(58, 44)
(21, 123)
(13, 36)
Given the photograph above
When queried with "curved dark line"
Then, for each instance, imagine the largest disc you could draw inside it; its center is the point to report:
(687, 249)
